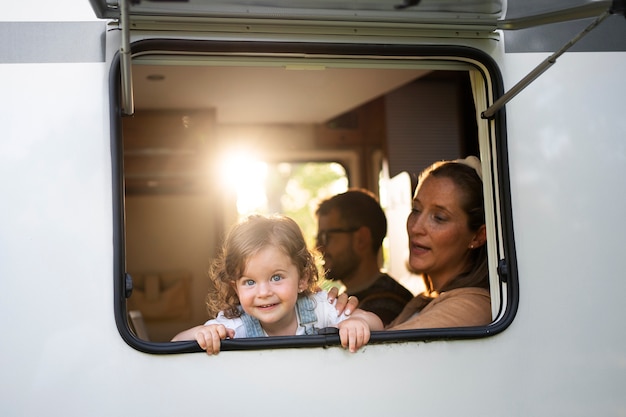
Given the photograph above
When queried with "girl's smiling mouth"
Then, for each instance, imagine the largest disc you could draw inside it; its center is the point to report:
(266, 306)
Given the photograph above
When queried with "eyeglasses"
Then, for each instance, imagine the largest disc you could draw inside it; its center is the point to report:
(322, 237)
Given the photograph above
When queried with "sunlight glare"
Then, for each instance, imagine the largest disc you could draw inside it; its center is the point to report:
(246, 176)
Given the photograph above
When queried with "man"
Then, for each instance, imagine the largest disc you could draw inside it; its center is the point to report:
(351, 229)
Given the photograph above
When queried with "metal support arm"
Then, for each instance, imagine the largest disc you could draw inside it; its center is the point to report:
(128, 104)
(617, 7)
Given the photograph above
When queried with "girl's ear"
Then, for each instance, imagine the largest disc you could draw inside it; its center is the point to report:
(479, 238)
(303, 283)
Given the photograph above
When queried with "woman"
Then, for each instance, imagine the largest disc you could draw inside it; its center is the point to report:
(447, 236)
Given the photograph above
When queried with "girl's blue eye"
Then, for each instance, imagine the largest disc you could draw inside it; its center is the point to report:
(276, 278)
(248, 282)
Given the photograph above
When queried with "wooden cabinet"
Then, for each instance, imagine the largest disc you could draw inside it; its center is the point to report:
(165, 151)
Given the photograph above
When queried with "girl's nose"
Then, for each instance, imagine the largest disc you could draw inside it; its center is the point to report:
(264, 289)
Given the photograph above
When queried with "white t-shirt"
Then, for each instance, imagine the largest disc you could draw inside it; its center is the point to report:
(324, 311)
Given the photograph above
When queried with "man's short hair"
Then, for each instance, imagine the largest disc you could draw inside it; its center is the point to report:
(358, 207)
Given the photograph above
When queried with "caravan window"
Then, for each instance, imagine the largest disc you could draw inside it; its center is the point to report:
(220, 131)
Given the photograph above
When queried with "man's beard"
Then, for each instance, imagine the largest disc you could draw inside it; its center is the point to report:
(343, 266)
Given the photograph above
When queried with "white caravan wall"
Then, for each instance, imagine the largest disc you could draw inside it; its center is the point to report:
(563, 354)
(567, 145)
(47, 11)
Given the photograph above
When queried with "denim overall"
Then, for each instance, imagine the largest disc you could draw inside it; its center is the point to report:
(305, 308)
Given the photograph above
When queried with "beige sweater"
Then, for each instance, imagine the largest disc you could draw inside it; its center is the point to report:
(461, 307)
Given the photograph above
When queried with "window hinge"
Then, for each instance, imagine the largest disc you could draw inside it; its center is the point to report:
(503, 270)
(128, 285)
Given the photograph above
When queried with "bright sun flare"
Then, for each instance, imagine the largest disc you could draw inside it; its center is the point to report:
(246, 175)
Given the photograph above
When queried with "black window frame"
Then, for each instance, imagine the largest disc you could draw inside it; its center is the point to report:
(507, 269)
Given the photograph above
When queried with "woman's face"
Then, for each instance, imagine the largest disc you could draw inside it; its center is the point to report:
(439, 237)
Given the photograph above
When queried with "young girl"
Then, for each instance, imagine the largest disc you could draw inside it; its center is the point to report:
(266, 285)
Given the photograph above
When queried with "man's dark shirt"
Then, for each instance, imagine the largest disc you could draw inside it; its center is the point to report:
(386, 298)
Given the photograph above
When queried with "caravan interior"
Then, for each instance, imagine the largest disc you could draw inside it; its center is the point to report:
(219, 132)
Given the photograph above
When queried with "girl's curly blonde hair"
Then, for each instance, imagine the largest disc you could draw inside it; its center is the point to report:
(246, 239)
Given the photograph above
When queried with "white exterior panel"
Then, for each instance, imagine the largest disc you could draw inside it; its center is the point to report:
(564, 353)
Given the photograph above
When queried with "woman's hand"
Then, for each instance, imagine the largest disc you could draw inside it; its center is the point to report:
(345, 304)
